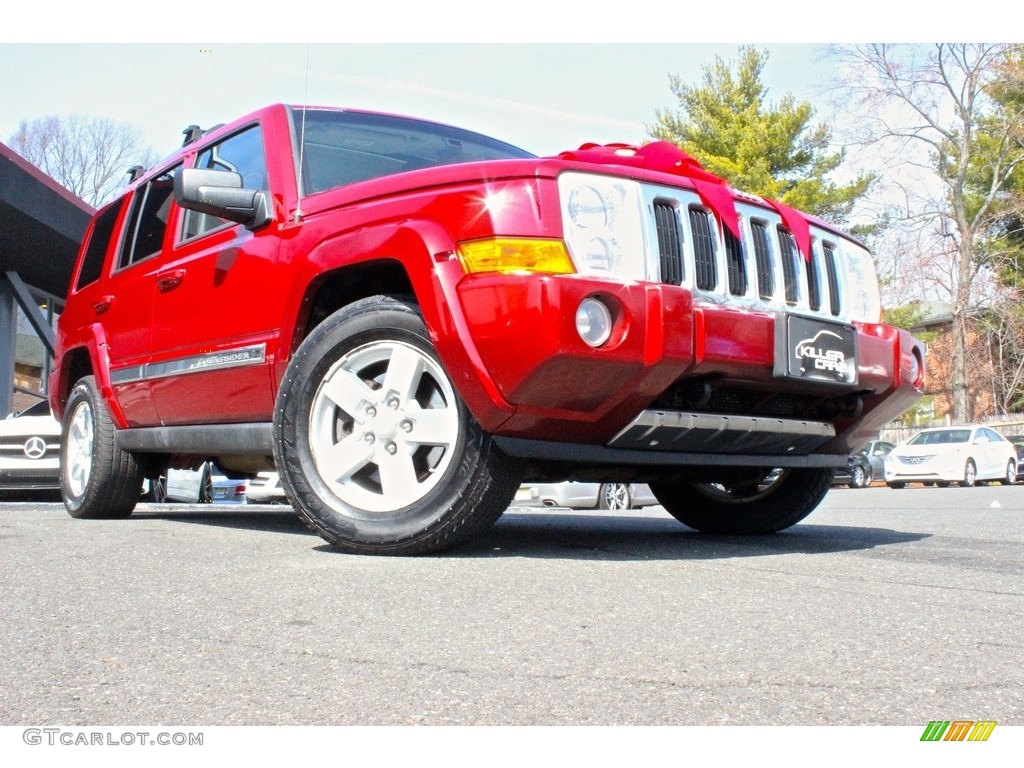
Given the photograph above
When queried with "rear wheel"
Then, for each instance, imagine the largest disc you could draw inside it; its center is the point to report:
(614, 496)
(375, 446)
(157, 492)
(860, 476)
(1011, 474)
(98, 479)
(760, 503)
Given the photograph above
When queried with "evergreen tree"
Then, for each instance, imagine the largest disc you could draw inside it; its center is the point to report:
(772, 150)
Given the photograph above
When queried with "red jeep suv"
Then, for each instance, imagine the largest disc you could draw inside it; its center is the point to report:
(408, 320)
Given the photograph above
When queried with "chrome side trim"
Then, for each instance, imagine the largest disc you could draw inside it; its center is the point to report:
(254, 354)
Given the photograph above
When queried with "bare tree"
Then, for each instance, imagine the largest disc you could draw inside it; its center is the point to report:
(933, 107)
(89, 156)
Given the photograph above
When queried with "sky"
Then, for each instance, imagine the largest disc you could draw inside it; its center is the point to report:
(544, 76)
(542, 97)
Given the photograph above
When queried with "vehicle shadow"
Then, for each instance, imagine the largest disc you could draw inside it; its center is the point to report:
(275, 518)
(624, 537)
(564, 534)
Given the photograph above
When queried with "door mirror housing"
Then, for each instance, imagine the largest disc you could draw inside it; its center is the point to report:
(220, 193)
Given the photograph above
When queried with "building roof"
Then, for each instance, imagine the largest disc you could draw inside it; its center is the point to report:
(41, 225)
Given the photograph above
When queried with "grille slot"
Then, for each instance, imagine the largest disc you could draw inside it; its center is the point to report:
(833, 278)
(813, 284)
(790, 266)
(670, 242)
(736, 264)
(703, 248)
(763, 260)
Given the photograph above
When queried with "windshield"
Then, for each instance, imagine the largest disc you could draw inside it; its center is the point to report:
(345, 147)
(941, 436)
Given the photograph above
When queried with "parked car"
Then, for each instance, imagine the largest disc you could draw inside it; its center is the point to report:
(864, 466)
(205, 485)
(944, 455)
(30, 450)
(612, 496)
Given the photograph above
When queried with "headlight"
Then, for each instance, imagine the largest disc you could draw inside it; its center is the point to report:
(863, 295)
(602, 225)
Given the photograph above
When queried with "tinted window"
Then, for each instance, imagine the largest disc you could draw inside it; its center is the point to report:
(345, 147)
(147, 221)
(241, 154)
(96, 251)
(941, 437)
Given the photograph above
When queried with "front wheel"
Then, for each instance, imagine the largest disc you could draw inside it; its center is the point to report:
(98, 480)
(375, 446)
(759, 503)
(1011, 474)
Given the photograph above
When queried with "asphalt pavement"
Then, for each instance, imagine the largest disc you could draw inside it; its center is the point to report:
(882, 608)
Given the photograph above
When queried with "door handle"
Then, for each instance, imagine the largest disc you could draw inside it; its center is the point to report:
(170, 280)
(103, 304)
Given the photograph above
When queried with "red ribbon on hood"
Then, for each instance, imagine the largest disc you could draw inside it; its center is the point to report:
(714, 192)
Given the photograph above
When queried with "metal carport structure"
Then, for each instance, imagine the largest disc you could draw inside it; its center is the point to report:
(41, 227)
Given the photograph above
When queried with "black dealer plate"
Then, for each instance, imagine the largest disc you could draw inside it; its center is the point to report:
(817, 350)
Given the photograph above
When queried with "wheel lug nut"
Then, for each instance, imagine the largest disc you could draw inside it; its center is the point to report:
(371, 412)
(370, 438)
(391, 448)
(406, 426)
(393, 403)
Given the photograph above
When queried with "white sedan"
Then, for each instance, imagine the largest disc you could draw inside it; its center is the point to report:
(945, 455)
(610, 496)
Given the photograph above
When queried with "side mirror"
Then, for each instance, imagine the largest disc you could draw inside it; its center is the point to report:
(220, 193)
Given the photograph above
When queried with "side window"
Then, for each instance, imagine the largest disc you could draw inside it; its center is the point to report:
(96, 250)
(242, 154)
(147, 222)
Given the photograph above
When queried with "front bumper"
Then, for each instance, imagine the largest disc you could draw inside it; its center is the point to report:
(554, 387)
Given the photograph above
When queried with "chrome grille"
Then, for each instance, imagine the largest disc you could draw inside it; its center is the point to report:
(915, 460)
(687, 245)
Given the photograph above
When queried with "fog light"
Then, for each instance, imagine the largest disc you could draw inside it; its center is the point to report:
(593, 322)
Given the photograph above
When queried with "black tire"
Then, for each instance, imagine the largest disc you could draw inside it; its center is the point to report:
(970, 475)
(206, 485)
(761, 504)
(399, 466)
(614, 497)
(860, 476)
(942, 483)
(897, 486)
(1011, 474)
(98, 480)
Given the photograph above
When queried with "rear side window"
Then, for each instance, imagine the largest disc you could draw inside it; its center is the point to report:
(147, 222)
(96, 251)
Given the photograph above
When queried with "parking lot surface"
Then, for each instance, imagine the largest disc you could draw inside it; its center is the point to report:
(882, 608)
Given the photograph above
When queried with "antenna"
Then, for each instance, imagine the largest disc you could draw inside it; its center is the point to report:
(302, 141)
